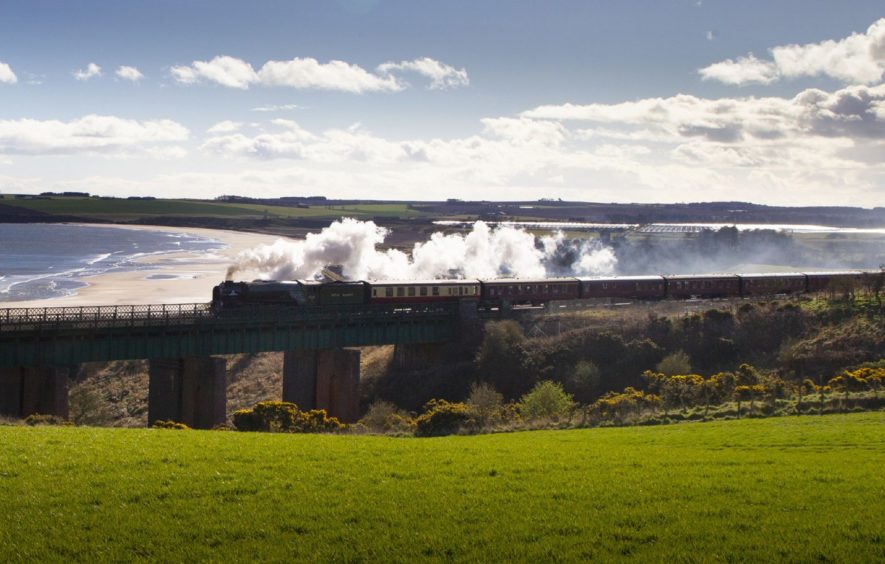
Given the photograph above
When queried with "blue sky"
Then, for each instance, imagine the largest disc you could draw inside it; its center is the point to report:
(774, 102)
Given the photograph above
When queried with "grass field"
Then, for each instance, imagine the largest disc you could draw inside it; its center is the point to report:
(799, 489)
(123, 210)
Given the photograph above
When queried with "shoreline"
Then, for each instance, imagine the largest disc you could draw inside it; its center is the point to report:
(176, 276)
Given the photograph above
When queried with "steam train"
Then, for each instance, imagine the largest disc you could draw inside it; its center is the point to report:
(503, 293)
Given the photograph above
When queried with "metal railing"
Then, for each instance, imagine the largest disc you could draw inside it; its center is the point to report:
(89, 317)
(12, 319)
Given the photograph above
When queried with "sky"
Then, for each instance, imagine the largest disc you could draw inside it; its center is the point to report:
(773, 102)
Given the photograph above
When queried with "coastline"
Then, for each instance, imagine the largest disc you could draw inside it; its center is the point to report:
(176, 277)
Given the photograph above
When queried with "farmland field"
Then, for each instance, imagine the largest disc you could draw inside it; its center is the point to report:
(800, 488)
(123, 209)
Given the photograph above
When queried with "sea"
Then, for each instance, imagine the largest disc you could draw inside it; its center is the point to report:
(39, 261)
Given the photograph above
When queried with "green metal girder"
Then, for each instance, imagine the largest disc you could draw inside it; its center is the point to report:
(63, 344)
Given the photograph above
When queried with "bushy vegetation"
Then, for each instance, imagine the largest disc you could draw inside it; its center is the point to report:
(285, 417)
(441, 417)
(161, 424)
(547, 400)
(41, 419)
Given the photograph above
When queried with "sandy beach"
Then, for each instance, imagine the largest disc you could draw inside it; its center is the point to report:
(176, 277)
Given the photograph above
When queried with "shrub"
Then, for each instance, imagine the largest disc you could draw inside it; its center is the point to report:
(442, 418)
(485, 404)
(546, 400)
(502, 355)
(284, 417)
(675, 363)
(160, 424)
(384, 417)
(40, 419)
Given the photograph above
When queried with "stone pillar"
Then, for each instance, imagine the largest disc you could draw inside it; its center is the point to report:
(45, 391)
(325, 379)
(191, 390)
(164, 390)
(11, 392)
(300, 378)
(26, 390)
(338, 383)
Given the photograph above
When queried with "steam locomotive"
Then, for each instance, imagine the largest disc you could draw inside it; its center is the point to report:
(519, 291)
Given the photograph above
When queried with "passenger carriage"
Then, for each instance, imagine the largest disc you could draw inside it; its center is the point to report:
(824, 280)
(628, 287)
(416, 291)
(703, 286)
(526, 291)
(767, 284)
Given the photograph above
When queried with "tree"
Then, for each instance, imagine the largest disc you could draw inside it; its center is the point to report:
(502, 355)
(546, 400)
(675, 363)
(584, 380)
(485, 404)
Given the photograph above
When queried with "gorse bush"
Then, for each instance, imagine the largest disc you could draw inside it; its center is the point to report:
(285, 417)
(40, 419)
(547, 400)
(441, 417)
(160, 424)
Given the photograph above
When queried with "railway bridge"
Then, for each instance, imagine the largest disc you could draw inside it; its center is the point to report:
(40, 346)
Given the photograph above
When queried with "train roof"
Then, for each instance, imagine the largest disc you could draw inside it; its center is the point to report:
(426, 282)
(528, 280)
(696, 276)
(834, 272)
(771, 274)
(656, 277)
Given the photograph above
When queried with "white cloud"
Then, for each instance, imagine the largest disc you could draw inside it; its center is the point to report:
(92, 70)
(334, 75)
(226, 126)
(308, 73)
(441, 75)
(852, 113)
(856, 59)
(744, 70)
(223, 70)
(6, 74)
(277, 108)
(131, 74)
(91, 134)
(711, 35)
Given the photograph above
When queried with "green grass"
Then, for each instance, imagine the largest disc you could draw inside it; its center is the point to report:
(799, 489)
(121, 209)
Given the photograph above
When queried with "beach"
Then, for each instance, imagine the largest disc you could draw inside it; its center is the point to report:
(174, 277)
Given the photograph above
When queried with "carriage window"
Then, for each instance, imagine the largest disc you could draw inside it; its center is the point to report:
(400, 292)
(436, 290)
(388, 292)
(375, 292)
(423, 290)
(411, 291)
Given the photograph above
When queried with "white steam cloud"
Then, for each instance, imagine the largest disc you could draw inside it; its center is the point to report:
(482, 253)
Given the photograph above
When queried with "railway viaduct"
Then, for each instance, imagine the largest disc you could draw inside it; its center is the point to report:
(40, 346)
